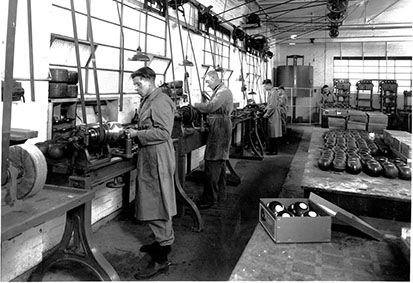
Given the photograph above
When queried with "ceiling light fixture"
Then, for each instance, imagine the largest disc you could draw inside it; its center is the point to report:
(293, 36)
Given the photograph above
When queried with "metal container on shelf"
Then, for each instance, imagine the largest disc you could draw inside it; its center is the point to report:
(299, 80)
(298, 77)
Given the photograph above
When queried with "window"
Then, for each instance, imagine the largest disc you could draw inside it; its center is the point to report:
(376, 69)
(107, 16)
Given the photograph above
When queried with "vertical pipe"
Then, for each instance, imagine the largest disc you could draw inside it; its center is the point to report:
(121, 56)
(193, 54)
(170, 43)
(95, 74)
(8, 88)
(30, 31)
(182, 49)
(79, 68)
(146, 35)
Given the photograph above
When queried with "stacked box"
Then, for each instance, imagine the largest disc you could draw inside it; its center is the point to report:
(377, 122)
(337, 123)
(340, 112)
(357, 116)
(399, 141)
(377, 118)
(330, 111)
(377, 128)
(405, 147)
(352, 125)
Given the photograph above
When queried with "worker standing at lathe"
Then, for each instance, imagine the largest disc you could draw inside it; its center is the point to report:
(273, 113)
(155, 191)
(218, 144)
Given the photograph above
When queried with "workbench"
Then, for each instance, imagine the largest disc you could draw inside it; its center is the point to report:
(359, 194)
(348, 257)
(76, 244)
(245, 130)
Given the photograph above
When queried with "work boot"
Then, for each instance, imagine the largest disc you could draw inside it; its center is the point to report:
(149, 248)
(157, 265)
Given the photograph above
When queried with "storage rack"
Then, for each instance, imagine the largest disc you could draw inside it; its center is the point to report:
(388, 96)
(364, 87)
(407, 95)
(342, 92)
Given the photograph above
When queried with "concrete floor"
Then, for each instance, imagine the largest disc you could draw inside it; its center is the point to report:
(211, 254)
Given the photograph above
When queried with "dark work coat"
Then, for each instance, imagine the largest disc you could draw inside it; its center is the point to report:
(273, 113)
(220, 126)
(155, 194)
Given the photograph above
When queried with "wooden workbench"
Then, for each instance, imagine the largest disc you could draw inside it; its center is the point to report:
(360, 194)
(76, 244)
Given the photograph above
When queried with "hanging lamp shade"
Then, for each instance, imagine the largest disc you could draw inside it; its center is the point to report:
(240, 78)
(252, 92)
(219, 69)
(140, 56)
(187, 63)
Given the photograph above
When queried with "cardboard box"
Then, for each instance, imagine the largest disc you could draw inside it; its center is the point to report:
(337, 123)
(362, 118)
(405, 148)
(351, 125)
(376, 127)
(378, 118)
(295, 229)
(309, 229)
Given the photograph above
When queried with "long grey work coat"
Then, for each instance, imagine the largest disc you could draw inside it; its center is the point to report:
(220, 126)
(155, 193)
(273, 112)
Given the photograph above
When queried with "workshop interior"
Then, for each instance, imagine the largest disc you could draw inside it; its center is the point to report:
(195, 140)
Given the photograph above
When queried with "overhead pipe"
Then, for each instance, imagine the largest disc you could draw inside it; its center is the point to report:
(354, 39)
(261, 9)
(297, 8)
(236, 7)
(294, 9)
(290, 28)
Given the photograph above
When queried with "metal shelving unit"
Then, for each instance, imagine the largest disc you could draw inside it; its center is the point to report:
(364, 94)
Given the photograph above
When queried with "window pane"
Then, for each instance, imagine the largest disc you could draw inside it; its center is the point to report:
(156, 27)
(156, 45)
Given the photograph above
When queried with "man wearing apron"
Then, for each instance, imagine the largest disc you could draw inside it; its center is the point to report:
(155, 191)
(219, 109)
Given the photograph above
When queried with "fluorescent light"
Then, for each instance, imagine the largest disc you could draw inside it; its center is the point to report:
(291, 43)
(293, 36)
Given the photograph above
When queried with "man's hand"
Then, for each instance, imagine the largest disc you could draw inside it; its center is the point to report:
(131, 132)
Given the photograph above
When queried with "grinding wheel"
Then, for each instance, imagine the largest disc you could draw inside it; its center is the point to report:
(32, 167)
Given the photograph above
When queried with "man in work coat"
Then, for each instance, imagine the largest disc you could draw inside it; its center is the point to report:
(155, 192)
(219, 108)
(273, 113)
(283, 108)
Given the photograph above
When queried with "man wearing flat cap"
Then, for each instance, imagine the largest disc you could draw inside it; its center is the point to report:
(155, 191)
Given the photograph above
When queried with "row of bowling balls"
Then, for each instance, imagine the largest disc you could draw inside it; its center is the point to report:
(355, 163)
(295, 209)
